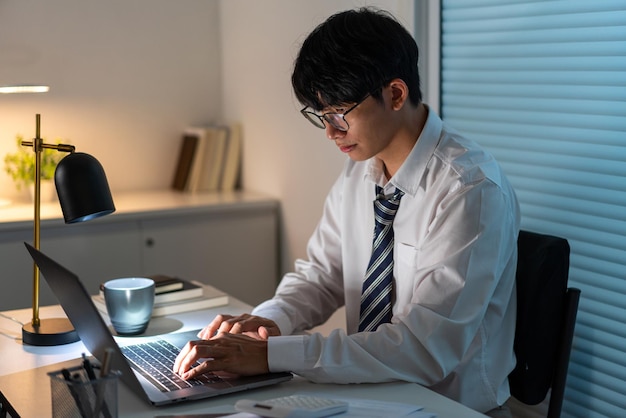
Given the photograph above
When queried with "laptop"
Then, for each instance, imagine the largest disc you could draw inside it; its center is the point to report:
(159, 387)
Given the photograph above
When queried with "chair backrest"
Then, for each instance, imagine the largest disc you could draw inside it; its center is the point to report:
(546, 315)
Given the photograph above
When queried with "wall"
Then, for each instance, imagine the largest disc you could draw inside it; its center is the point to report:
(127, 76)
(284, 155)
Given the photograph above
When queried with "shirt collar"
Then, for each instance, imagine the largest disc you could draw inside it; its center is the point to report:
(408, 176)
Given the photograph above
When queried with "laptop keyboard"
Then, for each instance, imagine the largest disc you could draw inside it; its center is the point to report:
(155, 361)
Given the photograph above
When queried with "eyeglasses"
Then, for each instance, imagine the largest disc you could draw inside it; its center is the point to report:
(336, 120)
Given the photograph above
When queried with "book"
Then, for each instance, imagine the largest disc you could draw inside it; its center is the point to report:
(211, 298)
(189, 290)
(185, 157)
(204, 143)
(232, 159)
(170, 289)
(212, 162)
(163, 283)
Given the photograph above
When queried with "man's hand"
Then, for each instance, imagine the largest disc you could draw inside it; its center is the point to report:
(233, 353)
(250, 325)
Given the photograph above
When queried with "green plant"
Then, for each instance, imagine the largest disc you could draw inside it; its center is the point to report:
(21, 164)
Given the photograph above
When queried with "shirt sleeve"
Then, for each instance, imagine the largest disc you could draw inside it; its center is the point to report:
(310, 294)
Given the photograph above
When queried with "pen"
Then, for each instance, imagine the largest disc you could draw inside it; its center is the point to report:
(98, 388)
(88, 368)
(81, 392)
(106, 362)
(104, 371)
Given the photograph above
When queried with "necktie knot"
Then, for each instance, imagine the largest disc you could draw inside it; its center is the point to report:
(385, 207)
(395, 197)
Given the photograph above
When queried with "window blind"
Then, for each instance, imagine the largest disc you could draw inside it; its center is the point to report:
(542, 85)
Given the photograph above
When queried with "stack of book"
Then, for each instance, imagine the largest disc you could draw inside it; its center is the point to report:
(173, 295)
(209, 159)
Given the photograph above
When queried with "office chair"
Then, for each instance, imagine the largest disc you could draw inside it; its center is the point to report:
(546, 315)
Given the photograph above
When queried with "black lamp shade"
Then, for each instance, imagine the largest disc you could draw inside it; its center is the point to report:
(82, 188)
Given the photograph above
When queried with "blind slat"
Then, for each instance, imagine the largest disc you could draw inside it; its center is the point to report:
(539, 63)
(546, 119)
(612, 93)
(552, 106)
(548, 49)
(559, 78)
(495, 130)
(468, 9)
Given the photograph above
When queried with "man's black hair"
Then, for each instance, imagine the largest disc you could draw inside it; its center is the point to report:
(352, 54)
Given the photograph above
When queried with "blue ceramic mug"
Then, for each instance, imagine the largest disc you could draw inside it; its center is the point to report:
(129, 303)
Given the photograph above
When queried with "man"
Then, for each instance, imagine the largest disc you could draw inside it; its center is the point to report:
(450, 255)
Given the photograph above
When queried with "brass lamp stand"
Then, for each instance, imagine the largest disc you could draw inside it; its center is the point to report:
(84, 194)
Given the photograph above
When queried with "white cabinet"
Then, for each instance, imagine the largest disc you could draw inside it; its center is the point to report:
(233, 248)
(227, 240)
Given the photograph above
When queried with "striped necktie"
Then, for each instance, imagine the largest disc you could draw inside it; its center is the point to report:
(376, 296)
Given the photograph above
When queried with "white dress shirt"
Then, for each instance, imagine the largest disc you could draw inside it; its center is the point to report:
(455, 256)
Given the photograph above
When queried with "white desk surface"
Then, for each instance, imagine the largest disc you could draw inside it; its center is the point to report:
(24, 381)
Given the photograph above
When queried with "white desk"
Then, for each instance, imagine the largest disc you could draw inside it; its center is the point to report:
(24, 381)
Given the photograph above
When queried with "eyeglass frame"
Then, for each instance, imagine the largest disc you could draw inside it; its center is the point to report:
(314, 118)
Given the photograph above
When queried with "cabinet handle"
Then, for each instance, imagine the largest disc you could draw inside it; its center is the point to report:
(149, 242)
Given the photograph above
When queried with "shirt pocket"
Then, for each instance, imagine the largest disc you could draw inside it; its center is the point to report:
(406, 255)
(406, 270)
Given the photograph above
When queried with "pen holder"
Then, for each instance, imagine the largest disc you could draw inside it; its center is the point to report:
(78, 396)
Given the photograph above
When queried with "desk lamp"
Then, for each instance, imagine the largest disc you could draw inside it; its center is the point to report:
(84, 194)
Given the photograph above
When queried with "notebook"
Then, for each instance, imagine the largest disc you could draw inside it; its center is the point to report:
(158, 388)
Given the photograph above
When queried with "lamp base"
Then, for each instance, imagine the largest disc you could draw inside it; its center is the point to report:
(55, 331)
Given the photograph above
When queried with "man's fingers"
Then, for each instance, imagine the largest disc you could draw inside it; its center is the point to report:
(181, 356)
(181, 362)
(241, 324)
(236, 328)
(189, 355)
(214, 356)
(211, 329)
(226, 326)
(209, 365)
